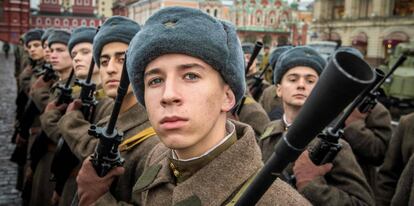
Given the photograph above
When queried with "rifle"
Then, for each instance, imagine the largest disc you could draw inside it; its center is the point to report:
(65, 96)
(256, 89)
(22, 98)
(256, 50)
(48, 73)
(39, 146)
(344, 78)
(369, 102)
(64, 161)
(328, 146)
(25, 122)
(107, 155)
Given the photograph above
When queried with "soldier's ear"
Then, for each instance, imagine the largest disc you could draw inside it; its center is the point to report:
(278, 90)
(229, 99)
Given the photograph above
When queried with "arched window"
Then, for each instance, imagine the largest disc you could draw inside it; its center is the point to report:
(92, 23)
(215, 12)
(48, 21)
(38, 21)
(57, 22)
(83, 22)
(208, 11)
(66, 22)
(74, 22)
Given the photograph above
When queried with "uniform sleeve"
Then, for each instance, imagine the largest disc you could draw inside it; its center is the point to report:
(345, 184)
(24, 79)
(74, 129)
(108, 199)
(390, 171)
(49, 122)
(404, 192)
(40, 97)
(369, 139)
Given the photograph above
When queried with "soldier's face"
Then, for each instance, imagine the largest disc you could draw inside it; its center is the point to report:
(112, 59)
(296, 85)
(81, 59)
(187, 101)
(46, 51)
(35, 49)
(60, 57)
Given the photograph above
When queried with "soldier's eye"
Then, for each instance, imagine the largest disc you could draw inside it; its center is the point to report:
(104, 63)
(191, 76)
(154, 81)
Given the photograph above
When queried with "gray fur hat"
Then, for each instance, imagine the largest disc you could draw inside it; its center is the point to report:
(191, 32)
(58, 36)
(33, 34)
(114, 29)
(298, 56)
(46, 34)
(274, 56)
(81, 34)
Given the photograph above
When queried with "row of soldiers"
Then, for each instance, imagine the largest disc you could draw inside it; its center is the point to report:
(196, 126)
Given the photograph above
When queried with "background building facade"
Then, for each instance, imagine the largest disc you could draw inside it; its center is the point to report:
(14, 19)
(373, 26)
(274, 22)
(65, 14)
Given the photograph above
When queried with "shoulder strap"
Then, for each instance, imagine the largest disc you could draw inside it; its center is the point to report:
(248, 100)
(100, 94)
(136, 139)
(267, 132)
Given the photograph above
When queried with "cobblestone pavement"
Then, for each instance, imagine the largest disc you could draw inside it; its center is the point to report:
(8, 170)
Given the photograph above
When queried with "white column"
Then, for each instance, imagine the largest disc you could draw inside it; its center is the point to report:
(375, 48)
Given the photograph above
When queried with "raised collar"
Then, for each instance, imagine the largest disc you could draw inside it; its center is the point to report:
(183, 169)
(214, 183)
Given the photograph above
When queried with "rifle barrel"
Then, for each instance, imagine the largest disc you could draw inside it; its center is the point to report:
(256, 50)
(67, 84)
(122, 89)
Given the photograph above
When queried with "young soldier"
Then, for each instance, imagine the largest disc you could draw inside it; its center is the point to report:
(109, 48)
(80, 48)
(253, 71)
(186, 67)
(60, 59)
(339, 183)
(32, 41)
(269, 100)
(25, 80)
(45, 44)
(400, 150)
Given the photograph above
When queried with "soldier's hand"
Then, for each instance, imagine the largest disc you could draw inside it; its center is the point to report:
(75, 105)
(305, 171)
(20, 142)
(90, 186)
(55, 199)
(355, 115)
(52, 106)
(39, 83)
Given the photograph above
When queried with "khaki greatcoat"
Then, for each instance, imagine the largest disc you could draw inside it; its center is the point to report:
(345, 184)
